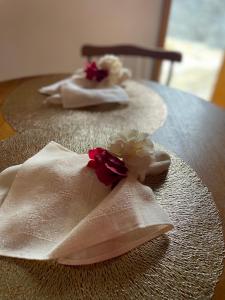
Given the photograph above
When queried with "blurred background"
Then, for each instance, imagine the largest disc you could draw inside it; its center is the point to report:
(197, 29)
(46, 36)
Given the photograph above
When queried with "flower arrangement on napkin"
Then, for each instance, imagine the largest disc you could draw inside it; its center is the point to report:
(131, 151)
(108, 71)
(98, 82)
(94, 73)
(54, 207)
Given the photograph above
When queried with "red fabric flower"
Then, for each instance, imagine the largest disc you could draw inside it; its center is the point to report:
(108, 168)
(93, 73)
(90, 70)
(101, 74)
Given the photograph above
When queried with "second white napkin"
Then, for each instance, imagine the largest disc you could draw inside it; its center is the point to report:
(100, 82)
(70, 95)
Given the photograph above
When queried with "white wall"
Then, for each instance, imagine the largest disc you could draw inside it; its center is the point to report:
(45, 36)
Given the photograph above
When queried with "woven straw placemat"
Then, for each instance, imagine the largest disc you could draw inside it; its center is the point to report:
(184, 264)
(24, 109)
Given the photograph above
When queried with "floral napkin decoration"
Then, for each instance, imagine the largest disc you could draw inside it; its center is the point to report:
(108, 70)
(132, 152)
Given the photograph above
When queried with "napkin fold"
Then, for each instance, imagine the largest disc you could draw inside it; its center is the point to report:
(70, 94)
(97, 83)
(53, 207)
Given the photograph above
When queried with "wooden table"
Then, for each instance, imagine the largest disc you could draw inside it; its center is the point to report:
(195, 131)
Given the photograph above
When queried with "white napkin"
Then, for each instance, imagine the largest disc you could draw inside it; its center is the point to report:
(76, 92)
(53, 207)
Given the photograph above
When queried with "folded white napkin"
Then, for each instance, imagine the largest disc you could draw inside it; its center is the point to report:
(70, 94)
(86, 88)
(53, 207)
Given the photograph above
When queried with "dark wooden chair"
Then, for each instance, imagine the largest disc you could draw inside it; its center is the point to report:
(159, 54)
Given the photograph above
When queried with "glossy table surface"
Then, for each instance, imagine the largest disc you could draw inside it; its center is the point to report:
(194, 130)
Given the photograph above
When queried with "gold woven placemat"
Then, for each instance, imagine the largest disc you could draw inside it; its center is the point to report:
(24, 109)
(184, 264)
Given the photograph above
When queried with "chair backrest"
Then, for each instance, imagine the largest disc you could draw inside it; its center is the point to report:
(160, 54)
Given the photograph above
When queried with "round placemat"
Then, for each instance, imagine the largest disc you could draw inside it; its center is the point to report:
(183, 264)
(24, 109)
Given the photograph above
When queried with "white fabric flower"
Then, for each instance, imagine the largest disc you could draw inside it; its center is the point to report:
(137, 151)
(117, 74)
(111, 63)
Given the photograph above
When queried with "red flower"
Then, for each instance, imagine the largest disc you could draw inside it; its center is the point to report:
(101, 74)
(93, 73)
(108, 168)
(91, 70)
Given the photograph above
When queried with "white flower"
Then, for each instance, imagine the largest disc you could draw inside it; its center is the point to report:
(137, 151)
(111, 63)
(124, 75)
(117, 74)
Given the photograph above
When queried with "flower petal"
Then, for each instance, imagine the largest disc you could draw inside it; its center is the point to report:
(108, 168)
(122, 171)
(95, 151)
(101, 74)
(91, 164)
(105, 176)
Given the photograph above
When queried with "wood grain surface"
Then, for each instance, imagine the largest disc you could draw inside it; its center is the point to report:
(5, 88)
(195, 131)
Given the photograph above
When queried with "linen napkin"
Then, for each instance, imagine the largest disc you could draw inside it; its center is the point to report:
(100, 82)
(71, 95)
(53, 207)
